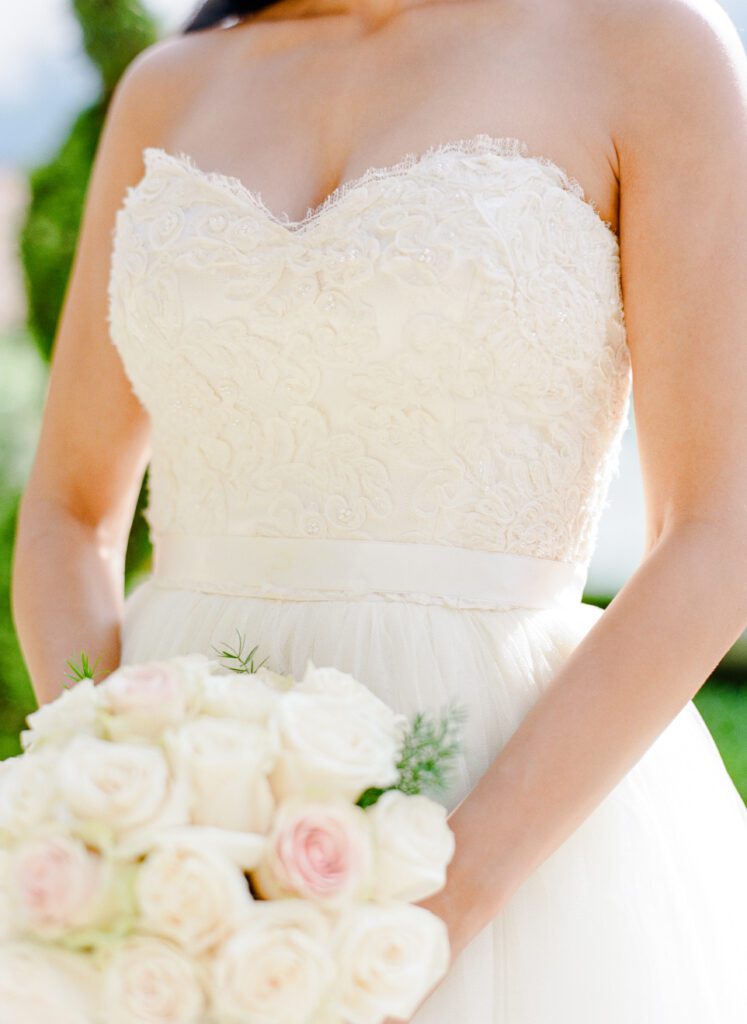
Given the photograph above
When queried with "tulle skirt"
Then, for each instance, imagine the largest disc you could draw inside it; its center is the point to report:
(640, 917)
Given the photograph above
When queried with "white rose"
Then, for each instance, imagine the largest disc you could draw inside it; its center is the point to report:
(150, 981)
(327, 1015)
(190, 894)
(276, 967)
(57, 884)
(40, 985)
(390, 955)
(238, 695)
(28, 790)
(333, 682)
(244, 849)
(73, 713)
(414, 845)
(226, 765)
(143, 699)
(119, 785)
(333, 746)
(276, 680)
(6, 928)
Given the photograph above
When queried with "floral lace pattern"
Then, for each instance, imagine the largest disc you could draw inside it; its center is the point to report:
(436, 353)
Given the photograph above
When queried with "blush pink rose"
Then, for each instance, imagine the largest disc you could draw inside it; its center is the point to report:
(319, 850)
(136, 687)
(57, 884)
(144, 699)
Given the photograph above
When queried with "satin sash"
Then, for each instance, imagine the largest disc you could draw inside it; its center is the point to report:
(300, 568)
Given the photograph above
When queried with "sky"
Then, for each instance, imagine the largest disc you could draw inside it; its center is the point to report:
(45, 79)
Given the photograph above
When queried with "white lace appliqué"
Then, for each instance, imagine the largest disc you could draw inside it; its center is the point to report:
(435, 353)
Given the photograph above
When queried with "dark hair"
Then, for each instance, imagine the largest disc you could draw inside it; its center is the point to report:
(213, 12)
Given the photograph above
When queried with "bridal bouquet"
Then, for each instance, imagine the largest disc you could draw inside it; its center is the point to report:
(185, 843)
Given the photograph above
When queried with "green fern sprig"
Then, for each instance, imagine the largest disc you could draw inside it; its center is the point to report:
(427, 755)
(245, 662)
(429, 750)
(78, 672)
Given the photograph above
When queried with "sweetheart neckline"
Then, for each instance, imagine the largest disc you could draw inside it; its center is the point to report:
(478, 144)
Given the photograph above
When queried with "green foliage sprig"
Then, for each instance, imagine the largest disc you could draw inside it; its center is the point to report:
(78, 672)
(430, 743)
(244, 662)
(429, 748)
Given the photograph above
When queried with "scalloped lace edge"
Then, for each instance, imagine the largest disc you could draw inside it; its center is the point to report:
(477, 144)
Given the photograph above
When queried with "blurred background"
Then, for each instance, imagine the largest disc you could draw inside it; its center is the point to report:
(59, 61)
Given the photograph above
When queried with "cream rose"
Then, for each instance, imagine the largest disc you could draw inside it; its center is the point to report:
(143, 699)
(28, 790)
(276, 967)
(244, 849)
(226, 765)
(40, 985)
(337, 739)
(247, 697)
(275, 680)
(318, 850)
(73, 713)
(57, 885)
(150, 980)
(6, 927)
(119, 785)
(327, 1015)
(190, 894)
(332, 682)
(414, 845)
(390, 955)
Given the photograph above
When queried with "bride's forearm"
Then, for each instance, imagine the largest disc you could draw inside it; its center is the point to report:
(67, 595)
(645, 658)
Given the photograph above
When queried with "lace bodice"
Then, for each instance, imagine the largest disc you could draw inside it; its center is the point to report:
(437, 353)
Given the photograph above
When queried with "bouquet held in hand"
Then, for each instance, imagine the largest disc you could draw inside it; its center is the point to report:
(185, 843)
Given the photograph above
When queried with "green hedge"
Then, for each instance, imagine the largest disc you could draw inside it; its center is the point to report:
(114, 32)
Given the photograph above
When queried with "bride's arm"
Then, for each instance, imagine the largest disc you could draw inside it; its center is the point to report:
(77, 507)
(684, 253)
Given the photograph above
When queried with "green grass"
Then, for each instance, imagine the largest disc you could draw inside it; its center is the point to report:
(722, 702)
(723, 705)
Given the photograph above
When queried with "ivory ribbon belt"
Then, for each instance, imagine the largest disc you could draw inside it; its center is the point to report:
(300, 568)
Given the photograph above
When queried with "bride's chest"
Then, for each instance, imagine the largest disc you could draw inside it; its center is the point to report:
(459, 277)
(465, 215)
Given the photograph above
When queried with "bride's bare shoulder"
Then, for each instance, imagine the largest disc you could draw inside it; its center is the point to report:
(647, 16)
(162, 83)
(152, 97)
(158, 83)
(657, 45)
(680, 74)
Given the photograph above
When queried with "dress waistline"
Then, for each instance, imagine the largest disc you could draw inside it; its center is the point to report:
(300, 568)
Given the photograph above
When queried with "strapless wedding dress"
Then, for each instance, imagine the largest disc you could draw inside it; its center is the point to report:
(382, 439)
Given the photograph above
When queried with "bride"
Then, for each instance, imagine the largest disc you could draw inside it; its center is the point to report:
(369, 285)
